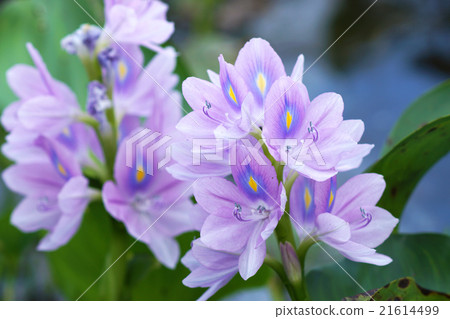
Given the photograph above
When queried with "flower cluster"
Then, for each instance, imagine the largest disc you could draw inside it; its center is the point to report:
(261, 156)
(283, 152)
(61, 149)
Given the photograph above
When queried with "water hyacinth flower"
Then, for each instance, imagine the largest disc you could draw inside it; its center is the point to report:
(209, 268)
(56, 194)
(232, 102)
(294, 128)
(347, 218)
(77, 138)
(229, 106)
(242, 215)
(154, 208)
(137, 22)
(137, 90)
(46, 106)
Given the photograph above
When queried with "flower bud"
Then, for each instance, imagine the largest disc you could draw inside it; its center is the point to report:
(290, 262)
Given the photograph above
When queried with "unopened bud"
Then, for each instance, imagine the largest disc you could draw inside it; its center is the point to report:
(291, 263)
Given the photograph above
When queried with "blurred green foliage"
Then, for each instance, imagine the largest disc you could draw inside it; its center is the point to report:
(423, 257)
(419, 139)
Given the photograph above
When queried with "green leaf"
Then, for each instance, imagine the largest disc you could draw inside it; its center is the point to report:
(44, 23)
(423, 257)
(419, 139)
(429, 107)
(404, 165)
(148, 280)
(405, 289)
(78, 264)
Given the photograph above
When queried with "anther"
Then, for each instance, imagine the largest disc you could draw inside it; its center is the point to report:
(237, 212)
(313, 131)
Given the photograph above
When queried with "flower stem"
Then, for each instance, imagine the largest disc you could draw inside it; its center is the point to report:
(92, 68)
(278, 268)
(114, 283)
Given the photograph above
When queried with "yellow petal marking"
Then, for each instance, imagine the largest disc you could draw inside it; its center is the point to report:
(307, 198)
(61, 169)
(331, 199)
(253, 184)
(232, 95)
(66, 131)
(288, 119)
(261, 83)
(123, 70)
(140, 174)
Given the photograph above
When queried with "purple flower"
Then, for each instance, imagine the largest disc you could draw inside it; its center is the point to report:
(229, 106)
(137, 22)
(311, 137)
(56, 194)
(221, 111)
(137, 90)
(154, 208)
(242, 215)
(209, 268)
(77, 138)
(46, 106)
(83, 41)
(233, 101)
(346, 219)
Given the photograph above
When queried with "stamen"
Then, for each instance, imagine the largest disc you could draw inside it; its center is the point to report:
(237, 213)
(261, 210)
(367, 218)
(43, 204)
(207, 107)
(313, 131)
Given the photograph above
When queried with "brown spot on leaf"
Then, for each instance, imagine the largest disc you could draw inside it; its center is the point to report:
(431, 130)
(403, 283)
(424, 291)
(393, 191)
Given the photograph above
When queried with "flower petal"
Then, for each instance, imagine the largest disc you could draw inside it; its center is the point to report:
(253, 256)
(74, 196)
(297, 72)
(253, 173)
(226, 234)
(45, 114)
(363, 254)
(285, 109)
(218, 196)
(30, 215)
(166, 249)
(361, 190)
(260, 66)
(324, 112)
(332, 229)
(379, 228)
(233, 86)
